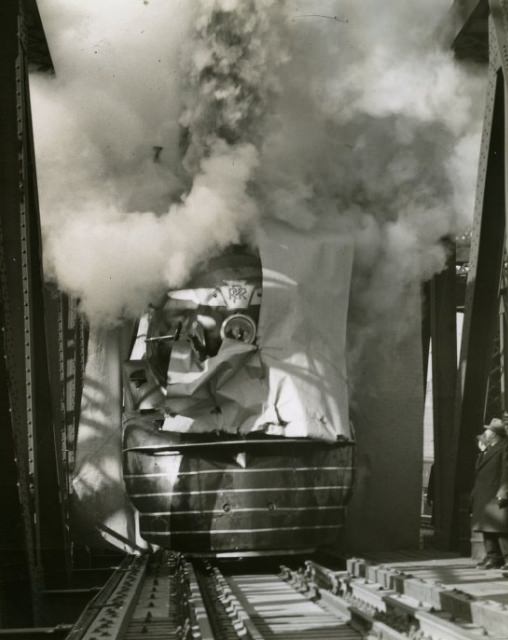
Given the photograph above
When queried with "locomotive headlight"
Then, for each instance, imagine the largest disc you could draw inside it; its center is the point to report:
(239, 327)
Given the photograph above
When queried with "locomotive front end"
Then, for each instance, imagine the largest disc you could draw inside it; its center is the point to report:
(232, 404)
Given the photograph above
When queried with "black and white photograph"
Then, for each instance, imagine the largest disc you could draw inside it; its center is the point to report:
(253, 319)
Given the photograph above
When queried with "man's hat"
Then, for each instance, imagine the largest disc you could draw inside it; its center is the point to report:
(497, 426)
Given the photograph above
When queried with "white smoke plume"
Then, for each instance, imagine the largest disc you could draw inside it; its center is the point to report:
(379, 125)
(173, 127)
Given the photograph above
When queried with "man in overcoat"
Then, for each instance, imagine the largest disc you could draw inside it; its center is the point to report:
(490, 495)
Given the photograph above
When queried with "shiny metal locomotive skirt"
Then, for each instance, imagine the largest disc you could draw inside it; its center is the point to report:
(197, 494)
(236, 435)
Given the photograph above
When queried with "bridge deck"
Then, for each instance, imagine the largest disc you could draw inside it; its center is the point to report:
(442, 595)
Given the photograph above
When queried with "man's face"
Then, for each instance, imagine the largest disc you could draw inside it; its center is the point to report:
(489, 436)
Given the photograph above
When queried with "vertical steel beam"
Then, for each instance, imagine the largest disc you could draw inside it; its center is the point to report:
(15, 574)
(33, 448)
(54, 307)
(426, 330)
(503, 335)
(17, 553)
(51, 536)
(482, 294)
(444, 382)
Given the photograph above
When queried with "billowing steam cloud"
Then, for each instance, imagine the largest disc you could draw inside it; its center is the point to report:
(173, 128)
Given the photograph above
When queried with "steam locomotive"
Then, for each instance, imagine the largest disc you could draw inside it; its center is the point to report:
(207, 471)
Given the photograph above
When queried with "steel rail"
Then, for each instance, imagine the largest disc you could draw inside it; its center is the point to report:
(166, 596)
(108, 613)
(254, 606)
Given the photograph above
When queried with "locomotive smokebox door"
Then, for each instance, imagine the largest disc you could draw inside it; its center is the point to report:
(221, 301)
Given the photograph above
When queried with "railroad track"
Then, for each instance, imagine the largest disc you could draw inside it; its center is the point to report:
(167, 596)
(398, 596)
(258, 605)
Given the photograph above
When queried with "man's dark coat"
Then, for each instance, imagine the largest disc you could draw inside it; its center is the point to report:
(491, 482)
